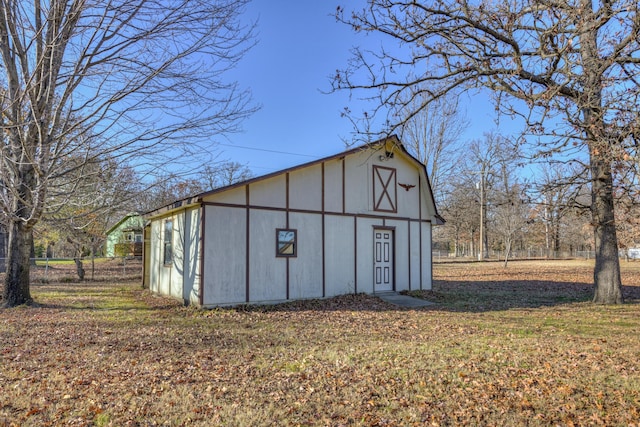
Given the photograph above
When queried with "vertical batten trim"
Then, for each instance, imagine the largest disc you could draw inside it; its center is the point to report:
(324, 251)
(420, 226)
(344, 185)
(287, 226)
(409, 251)
(355, 254)
(144, 255)
(431, 257)
(203, 209)
(247, 242)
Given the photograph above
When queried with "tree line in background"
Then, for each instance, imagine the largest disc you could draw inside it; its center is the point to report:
(79, 228)
(566, 71)
(88, 87)
(500, 203)
(90, 92)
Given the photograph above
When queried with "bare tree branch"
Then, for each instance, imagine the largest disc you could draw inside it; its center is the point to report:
(571, 65)
(141, 81)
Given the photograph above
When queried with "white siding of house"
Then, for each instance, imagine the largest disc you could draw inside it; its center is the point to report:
(414, 254)
(335, 247)
(333, 185)
(401, 254)
(365, 253)
(180, 256)
(305, 188)
(339, 255)
(408, 201)
(305, 270)
(270, 192)
(164, 271)
(267, 273)
(234, 196)
(224, 255)
(181, 279)
(426, 254)
(191, 266)
(357, 186)
(154, 255)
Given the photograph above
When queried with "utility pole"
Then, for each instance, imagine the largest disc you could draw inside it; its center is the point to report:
(480, 243)
(481, 222)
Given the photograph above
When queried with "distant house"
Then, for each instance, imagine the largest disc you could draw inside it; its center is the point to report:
(125, 237)
(358, 221)
(633, 253)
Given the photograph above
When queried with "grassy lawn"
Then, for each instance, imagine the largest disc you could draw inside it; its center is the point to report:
(40, 262)
(515, 346)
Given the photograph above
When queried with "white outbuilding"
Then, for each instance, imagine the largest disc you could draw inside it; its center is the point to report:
(358, 221)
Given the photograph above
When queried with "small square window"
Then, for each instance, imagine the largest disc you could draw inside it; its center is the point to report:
(286, 242)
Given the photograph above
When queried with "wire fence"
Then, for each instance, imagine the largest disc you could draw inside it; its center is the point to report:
(44, 270)
(529, 254)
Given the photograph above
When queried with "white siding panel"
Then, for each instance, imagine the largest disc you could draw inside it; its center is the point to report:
(269, 192)
(305, 270)
(267, 273)
(333, 186)
(305, 188)
(401, 254)
(164, 279)
(339, 255)
(415, 255)
(428, 206)
(154, 254)
(191, 273)
(234, 196)
(176, 271)
(408, 200)
(365, 253)
(426, 256)
(224, 256)
(357, 183)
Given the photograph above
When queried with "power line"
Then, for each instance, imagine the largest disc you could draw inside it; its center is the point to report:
(268, 151)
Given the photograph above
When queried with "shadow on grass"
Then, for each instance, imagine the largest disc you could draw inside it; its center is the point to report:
(455, 296)
(504, 295)
(98, 297)
(448, 295)
(93, 306)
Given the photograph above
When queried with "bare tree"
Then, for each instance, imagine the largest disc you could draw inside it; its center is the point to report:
(460, 210)
(432, 136)
(628, 216)
(164, 190)
(568, 68)
(557, 192)
(140, 81)
(104, 194)
(223, 174)
(490, 161)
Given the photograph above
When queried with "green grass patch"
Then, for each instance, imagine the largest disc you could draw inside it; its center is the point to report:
(52, 262)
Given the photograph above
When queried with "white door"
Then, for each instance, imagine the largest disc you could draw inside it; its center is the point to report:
(383, 260)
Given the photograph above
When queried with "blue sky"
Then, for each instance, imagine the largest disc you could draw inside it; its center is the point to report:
(300, 45)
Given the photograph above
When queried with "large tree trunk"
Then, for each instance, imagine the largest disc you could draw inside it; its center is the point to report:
(606, 274)
(16, 282)
(607, 270)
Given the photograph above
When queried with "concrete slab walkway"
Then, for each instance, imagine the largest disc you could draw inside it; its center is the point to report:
(403, 300)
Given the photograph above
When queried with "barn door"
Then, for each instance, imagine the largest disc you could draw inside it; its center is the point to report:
(383, 260)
